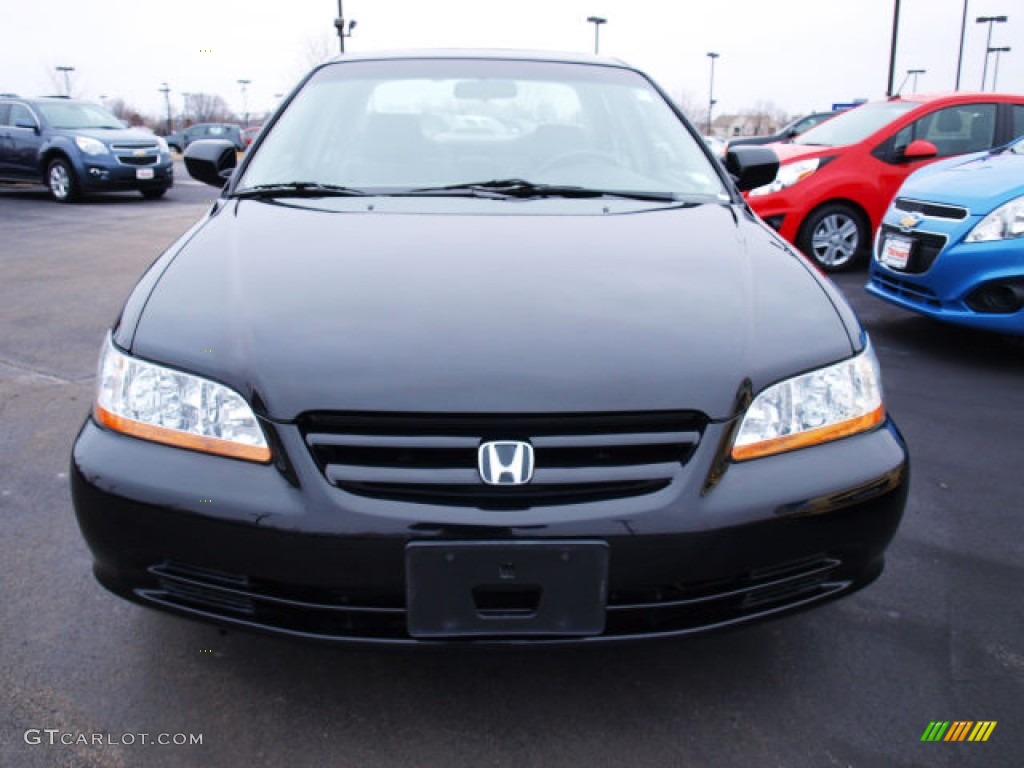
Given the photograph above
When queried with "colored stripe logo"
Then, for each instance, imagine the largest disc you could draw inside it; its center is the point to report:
(958, 730)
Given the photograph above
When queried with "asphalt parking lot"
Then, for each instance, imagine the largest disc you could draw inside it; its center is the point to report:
(855, 683)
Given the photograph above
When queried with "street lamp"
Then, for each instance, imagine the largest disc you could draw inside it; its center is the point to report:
(995, 74)
(597, 21)
(245, 102)
(960, 56)
(339, 24)
(990, 20)
(67, 81)
(914, 73)
(711, 90)
(165, 89)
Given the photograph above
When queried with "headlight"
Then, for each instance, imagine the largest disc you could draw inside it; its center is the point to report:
(167, 406)
(1004, 222)
(161, 144)
(91, 146)
(789, 175)
(816, 407)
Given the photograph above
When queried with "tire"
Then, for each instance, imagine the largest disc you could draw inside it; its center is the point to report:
(835, 237)
(153, 194)
(61, 181)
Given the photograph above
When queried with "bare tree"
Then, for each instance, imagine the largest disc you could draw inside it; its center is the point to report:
(125, 112)
(317, 50)
(61, 86)
(207, 108)
(694, 109)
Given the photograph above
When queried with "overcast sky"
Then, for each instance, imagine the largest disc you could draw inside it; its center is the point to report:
(801, 55)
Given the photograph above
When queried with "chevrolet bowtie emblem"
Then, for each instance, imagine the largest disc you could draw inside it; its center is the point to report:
(909, 221)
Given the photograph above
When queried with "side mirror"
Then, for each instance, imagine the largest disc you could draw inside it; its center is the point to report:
(211, 161)
(919, 149)
(751, 166)
(25, 122)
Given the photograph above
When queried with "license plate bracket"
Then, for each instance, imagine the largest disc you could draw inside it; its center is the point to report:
(500, 589)
(896, 251)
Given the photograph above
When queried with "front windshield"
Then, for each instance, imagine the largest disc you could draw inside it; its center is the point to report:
(77, 115)
(414, 124)
(855, 125)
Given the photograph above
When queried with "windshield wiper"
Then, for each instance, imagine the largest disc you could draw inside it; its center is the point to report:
(520, 188)
(298, 189)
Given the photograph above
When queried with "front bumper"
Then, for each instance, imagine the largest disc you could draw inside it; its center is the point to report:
(781, 211)
(281, 550)
(109, 175)
(952, 287)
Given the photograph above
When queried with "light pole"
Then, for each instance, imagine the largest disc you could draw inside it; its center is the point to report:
(67, 80)
(960, 57)
(711, 89)
(911, 73)
(995, 73)
(990, 20)
(165, 89)
(892, 47)
(245, 102)
(339, 24)
(597, 21)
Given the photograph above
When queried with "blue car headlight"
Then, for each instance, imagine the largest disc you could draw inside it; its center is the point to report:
(1006, 221)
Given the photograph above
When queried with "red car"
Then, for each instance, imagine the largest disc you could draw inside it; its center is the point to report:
(249, 134)
(836, 180)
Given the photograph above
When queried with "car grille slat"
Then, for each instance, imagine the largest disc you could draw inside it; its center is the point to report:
(341, 474)
(587, 441)
(931, 210)
(430, 458)
(317, 440)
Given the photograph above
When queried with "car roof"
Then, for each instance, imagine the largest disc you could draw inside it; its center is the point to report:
(510, 54)
(956, 97)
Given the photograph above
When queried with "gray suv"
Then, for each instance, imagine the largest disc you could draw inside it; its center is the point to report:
(179, 140)
(74, 147)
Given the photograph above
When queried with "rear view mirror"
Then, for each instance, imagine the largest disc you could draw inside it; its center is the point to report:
(919, 149)
(486, 89)
(211, 161)
(751, 166)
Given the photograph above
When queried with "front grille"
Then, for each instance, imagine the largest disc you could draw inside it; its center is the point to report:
(131, 146)
(926, 249)
(354, 614)
(432, 459)
(681, 607)
(906, 290)
(131, 160)
(931, 210)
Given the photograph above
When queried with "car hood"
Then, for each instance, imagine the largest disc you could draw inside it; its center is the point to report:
(789, 152)
(111, 135)
(378, 308)
(980, 182)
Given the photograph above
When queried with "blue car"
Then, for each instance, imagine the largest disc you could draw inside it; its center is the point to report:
(951, 245)
(75, 148)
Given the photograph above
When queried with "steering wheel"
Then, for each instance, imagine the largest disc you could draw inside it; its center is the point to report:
(576, 157)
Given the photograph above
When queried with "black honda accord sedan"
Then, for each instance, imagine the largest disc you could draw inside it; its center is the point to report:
(485, 347)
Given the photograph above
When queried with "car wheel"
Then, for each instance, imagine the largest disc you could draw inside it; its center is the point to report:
(153, 194)
(835, 237)
(60, 178)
